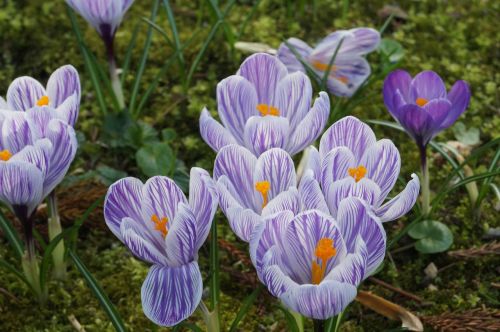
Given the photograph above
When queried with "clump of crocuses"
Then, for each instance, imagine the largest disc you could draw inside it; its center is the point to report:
(349, 68)
(161, 226)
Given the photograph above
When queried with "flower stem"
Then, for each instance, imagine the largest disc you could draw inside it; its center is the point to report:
(113, 73)
(319, 325)
(299, 319)
(426, 194)
(214, 269)
(54, 230)
(211, 318)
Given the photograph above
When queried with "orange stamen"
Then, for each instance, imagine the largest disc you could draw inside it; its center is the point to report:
(265, 109)
(324, 67)
(160, 224)
(43, 101)
(324, 251)
(263, 188)
(421, 102)
(357, 173)
(5, 155)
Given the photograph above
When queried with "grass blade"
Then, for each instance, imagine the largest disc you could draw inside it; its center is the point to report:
(7, 266)
(175, 33)
(106, 304)
(221, 17)
(247, 20)
(128, 53)
(486, 183)
(324, 80)
(214, 267)
(245, 306)
(290, 320)
(12, 236)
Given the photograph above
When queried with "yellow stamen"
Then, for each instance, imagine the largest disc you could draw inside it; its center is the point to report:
(5, 155)
(43, 101)
(324, 67)
(263, 188)
(160, 224)
(265, 109)
(357, 173)
(421, 102)
(324, 251)
(342, 79)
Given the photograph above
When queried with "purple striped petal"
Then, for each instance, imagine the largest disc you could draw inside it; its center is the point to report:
(238, 164)
(264, 71)
(288, 57)
(285, 201)
(20, 184)
(357, 41)
(397, 81)
(275, 166)
(417, 123)
(365, 189)
(23, 93)
(134, 236)
(310, 161)
(242, 221)
(182, 237)
(349, 132)
(171, 294)
(402, 203)
(63, 84)
(39, 118)
(311, 195)
(321, 301)
(335, 165)
(347, 76)
(68, 110)
(383, 163)
(16, 132)
(123, 199)
(228, 195)
(301, 239)
(459, 96)
(309, 129)
(266, 132)
(293, 97)
(237, 102)
(3, 104)
(353, 268)
(37, 155)
(355, 218)
(161, 198)
(273, 277)
(427, 85)
(213, 133)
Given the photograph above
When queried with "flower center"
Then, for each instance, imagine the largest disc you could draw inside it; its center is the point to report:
(160, 224)
(324, 67)
(357, 173)
(43, 101)
(5, 155)
(265, 109)
(263, 188)
(324, 252)
(421, 102)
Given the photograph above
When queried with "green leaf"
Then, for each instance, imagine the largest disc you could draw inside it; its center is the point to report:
(245, 306)
(140, 134)
(106, 304)
(466, 136)
(109, 175)
(168, 134)
(156, 159)
(290, 320)
(11, 235)
(432, 236)
(391, 50)
(115, 127)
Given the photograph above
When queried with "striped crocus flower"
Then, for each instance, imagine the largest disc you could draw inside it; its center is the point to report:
(251, 187)
(264, 107)
(62, 94)
(36, 150)
(421, 105)
(314, 262)
(351, 162)
(161, 226)
(104, 15)
(349, 70)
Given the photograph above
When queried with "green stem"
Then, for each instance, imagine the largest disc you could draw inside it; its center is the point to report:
(116, 83)
(214, 268)
(211, 318)
(338, 321)
(299, 319)
(426, 194)
(54, 230)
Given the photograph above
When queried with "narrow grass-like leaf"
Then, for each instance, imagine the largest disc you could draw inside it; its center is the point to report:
(47, 256)
(128, 53)
(11, 235)
(324, 80)
(175, 33)
(386, 24)
(221, 18)
(144, 59)
(245, 307)
(310, 71)
(289, 319)
(214, 266)
(101, 296)
(450, 160)
(19, 274)
(79, 222)
(247, 19)
(159, 29)
(486, 183)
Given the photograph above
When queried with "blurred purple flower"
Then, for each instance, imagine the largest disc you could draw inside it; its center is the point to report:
(104, 15)
(349, 70)
(36, 150)
(421, 105)
(250, 187)
(351, 162)
(313, 262)
(160, 226)
(264, 107)
(62, 94)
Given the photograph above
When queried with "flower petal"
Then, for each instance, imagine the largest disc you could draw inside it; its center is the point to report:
(348, 74)
(417, 123)
(39, 118)
(352, 268)
(397, 81)
(310, 161)
(62, 84)
(335, 165)
(293, 97)
(213, 133)
(438, 109)
(23, 93)
(134, 237)
(285, 201)
(16, 132)
(402, 203)
(35, 154)
(309, 129)
(68, 110)
(182, 237)
(365, 189)
(459, 96)
(288, 57)
(427, 85)
(242, 221)
(310, 193)
(161, 198)
(171, 294)
(267, 132)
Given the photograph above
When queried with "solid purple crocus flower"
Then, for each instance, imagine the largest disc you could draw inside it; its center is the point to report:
(314, 262)
(421, 105)
(264, 107)
(349, 69)
(62, 94)
(251, 187)
(351, 162)
(36, 150)
(161, 226)
(104, 15)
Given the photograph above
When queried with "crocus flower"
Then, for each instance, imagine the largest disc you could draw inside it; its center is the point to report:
(104, 15)
(264, 107)
(62, 94)
(421, 105)
(349, 69)
(351, 162)
(36, 150)
(314, 262)
(251, 187)
(160, 226)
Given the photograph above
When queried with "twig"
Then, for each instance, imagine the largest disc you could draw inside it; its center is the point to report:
(492, 248)
(76, 324)
(483, 319)
(396, 289)
(9, 294)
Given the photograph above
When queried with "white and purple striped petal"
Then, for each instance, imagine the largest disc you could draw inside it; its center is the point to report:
(288, 57)
(182, 237)
(23, 93)
(267, 132)
(402, 203)
(213, 133)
